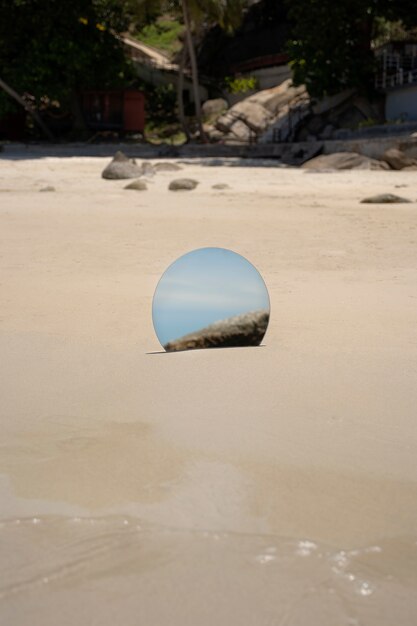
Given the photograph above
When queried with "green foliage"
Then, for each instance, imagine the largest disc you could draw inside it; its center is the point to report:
(331, 45)
(240, 84)
(50, 49)
(163, 34)
(161, 104)
(386, 30)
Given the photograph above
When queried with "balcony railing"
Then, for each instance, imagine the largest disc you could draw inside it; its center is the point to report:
(399, 78)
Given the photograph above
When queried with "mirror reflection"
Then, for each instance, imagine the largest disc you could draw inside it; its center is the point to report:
(210, 298)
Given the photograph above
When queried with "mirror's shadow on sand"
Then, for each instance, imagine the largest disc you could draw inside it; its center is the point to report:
(205, 349)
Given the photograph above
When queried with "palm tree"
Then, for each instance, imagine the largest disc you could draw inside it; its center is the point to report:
(194, 68)
(228, 13)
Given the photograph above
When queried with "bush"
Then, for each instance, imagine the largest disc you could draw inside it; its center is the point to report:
(241, 84)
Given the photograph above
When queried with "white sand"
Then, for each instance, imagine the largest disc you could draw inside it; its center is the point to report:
(273, 485)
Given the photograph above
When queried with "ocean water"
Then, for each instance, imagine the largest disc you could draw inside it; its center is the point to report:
(118, 571)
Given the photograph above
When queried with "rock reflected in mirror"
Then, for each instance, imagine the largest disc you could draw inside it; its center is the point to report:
(210, 298)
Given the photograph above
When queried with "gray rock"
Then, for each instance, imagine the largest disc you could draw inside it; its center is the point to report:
(247, 329)
(214, 107)
(345, 161)
(253, 114)
(180, 184)
(167, 167)
(147, 169)
(138, 185)
(48, 188)
(397, 159)
(241, 131)
(220, 186)
(384, 198)
(121, 167)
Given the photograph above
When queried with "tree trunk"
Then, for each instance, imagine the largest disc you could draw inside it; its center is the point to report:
(194, 70)
(180, 87)
(28, 108)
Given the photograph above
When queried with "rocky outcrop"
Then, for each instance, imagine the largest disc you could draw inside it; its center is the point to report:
(183, 184)
(344, 161)
(247, 329)
(122, 167)
(277, 110)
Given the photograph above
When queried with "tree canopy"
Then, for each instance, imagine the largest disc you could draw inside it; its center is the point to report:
(331, 42)
(50, 49)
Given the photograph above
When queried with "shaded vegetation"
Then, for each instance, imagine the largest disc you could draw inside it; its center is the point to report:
(50, 50)
(164, 35)
(331, 46)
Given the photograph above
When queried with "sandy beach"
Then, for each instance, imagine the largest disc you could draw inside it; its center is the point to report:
(265, 486)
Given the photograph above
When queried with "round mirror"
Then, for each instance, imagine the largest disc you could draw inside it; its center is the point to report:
(210, 298)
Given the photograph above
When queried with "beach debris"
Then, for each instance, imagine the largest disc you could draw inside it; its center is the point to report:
(183, 184)
(345, 161)
(397, 159)
(220, 186)
(138, 185)
(166, 167)
(247, 329)
(48, 188)
(122, 167)
(384, 198)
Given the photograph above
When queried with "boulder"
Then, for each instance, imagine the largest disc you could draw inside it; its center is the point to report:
(138, 185)
(345, 161)
(384, 198)
(121, 167)
(183, 184)
(247, 329)
(241, 131)
(397, 159)
(275, 98)
(253, 114)
(215, 107)
(166, 167)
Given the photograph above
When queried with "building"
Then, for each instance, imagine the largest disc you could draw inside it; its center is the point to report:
(397, 78)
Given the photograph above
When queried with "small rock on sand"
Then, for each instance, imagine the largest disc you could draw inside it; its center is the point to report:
(167, 167)
(345, 161)
(180, 184)
(121, 167)
(147, 169)
(48, 188)
(221, 186)
(384, 198)
(138, 185)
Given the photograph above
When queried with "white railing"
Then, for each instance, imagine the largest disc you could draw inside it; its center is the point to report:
(401, 77)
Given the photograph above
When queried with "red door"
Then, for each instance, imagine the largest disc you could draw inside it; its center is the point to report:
(133, 111)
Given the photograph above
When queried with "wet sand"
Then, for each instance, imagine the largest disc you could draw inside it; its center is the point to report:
(270, 485)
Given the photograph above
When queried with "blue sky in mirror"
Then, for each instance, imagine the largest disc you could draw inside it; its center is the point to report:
(202, 287)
